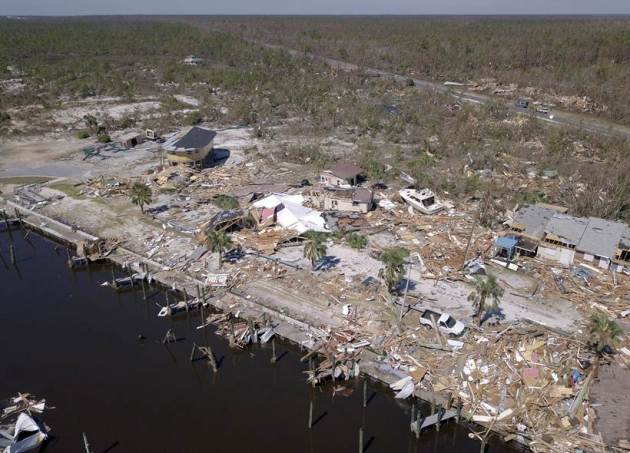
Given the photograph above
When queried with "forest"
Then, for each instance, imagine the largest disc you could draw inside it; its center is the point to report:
(580, 64)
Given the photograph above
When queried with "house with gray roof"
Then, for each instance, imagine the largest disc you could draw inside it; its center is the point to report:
(190, 147)
(601, 241)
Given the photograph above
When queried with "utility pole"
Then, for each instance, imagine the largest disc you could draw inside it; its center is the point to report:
(402, 305)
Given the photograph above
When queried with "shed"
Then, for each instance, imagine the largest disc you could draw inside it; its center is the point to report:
(506, 247)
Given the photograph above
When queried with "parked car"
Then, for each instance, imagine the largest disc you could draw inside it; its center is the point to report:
(444, 321)
(543, 110)
(522, 103)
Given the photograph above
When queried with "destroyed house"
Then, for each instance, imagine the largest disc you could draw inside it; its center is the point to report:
(191, 147)
(548, 232)
(602, 242)
(343, 174)
(357, 200)
(562, 235)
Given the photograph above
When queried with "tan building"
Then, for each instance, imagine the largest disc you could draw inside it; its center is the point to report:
(191, 147)
(351, 200)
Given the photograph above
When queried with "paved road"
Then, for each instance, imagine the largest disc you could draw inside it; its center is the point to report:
(557, 117)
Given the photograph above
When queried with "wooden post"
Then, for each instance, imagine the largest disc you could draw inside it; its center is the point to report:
(144, 290)
(310, 414)
(113, 278)
(413, 410)
(273, 351)
(459, 409)
(402, 305)
(192, 352)
(6, 222)
(186, 298)
(360, 439)
(86, 444)
(365, 393)
(439, 417)
(129, 271)
(12, 253)
(333, 360)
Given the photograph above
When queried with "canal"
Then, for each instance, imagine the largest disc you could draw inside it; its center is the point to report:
(68, 339)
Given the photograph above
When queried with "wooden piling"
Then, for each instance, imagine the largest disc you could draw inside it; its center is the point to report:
(364, 393)
(12, 253)
(459, 410)
(86, 443)
(144, 290)
(186, 299)
(130, 272)
(274, 359)
(360, 439)
(192, 352)
(310, 414)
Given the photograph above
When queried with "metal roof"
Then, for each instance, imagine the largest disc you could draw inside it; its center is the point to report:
(362, 195)
(195, 138)
(506, 242)
(568, 228)
(601, 237)
(534, 218)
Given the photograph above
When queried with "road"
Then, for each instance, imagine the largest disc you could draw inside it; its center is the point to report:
(557, 117)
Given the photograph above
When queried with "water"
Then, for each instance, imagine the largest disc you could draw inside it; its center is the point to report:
(75, 343)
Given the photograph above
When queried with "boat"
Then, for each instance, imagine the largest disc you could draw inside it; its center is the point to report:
(28, 435)
(422, 200)
(178, 307)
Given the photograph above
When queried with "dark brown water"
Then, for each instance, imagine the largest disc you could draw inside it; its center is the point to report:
(65, 338)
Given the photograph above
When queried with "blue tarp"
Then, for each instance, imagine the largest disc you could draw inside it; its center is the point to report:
(506, 242)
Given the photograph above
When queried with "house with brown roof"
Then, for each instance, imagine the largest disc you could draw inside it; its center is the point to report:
(343, 174)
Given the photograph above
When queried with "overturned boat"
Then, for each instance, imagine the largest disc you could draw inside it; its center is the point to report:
(422, 200)
(27, 436)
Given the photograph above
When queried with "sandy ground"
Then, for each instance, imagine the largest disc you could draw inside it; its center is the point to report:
(612, 392)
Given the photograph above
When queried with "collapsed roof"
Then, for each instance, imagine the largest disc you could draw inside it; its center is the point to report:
(292, 214)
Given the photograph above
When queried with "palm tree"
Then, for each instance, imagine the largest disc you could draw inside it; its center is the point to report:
(218, 242)
(603, 333)
(314, 248)
(394, 260)
(140, 195)
(484, 289)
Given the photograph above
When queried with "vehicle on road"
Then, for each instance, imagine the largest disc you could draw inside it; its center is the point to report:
(444, 321)
(543, 110)
(522, 104)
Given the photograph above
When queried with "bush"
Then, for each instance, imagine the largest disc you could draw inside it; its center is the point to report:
(356, 240)
(194, 118)
(83, 134)
(4, 117)
(225, 202)
(104, 138)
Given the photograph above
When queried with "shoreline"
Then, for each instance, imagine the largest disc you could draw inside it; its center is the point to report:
(286, 327)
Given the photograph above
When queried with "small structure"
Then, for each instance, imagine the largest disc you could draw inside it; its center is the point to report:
(506, 247)
(131, 139)
(343, 174)
(357, 200)
(191, 147)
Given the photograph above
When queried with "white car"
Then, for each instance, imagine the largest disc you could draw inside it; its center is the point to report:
(444, 321)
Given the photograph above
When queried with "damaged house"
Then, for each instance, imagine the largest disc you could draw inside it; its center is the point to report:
(287, 211)
(351, 200)
(343, 174)
(546, 231)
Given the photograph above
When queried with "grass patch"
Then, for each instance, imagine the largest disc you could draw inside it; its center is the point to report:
(68, 188)
(24, 180)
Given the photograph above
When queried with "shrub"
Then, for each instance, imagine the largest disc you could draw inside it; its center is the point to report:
(83, 134)
(356, 240)
(225, 202)
(104, 138)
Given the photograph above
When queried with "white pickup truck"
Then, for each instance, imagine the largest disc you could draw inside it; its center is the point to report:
(444, 321)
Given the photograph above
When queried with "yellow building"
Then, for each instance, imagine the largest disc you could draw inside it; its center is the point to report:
(191, 147)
